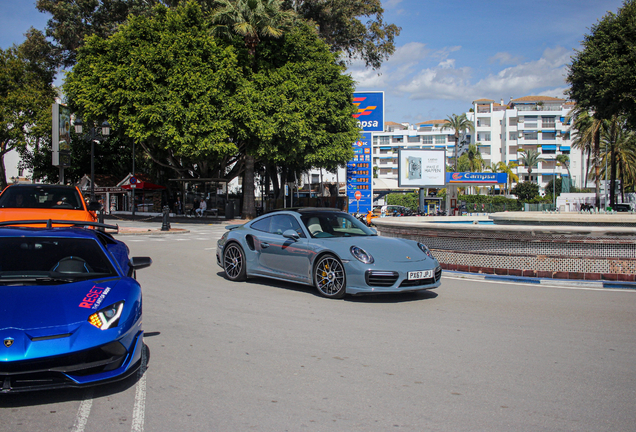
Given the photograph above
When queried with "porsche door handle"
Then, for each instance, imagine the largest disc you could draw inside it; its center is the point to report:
(264, 245)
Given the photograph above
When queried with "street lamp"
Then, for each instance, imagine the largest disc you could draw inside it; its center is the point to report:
(93, 136)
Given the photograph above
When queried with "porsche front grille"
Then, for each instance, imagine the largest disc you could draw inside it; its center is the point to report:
(381, 278)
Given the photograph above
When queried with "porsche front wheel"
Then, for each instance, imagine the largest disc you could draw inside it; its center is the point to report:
(329, 277)
(234, 262)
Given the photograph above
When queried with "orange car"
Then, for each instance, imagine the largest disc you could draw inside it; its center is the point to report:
(22, 202)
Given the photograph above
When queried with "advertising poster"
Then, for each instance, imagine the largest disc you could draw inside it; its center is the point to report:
(61, 145)
(359, 176)
(421, 168)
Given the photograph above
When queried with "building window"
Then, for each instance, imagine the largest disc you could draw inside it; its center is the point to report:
(530, 135)
(440, 139)
(512, 121)
(483, 136)
(414, 139)
(547, 122)
(398, 139)
(427, 139)
(548, 136)
(512, 136)
(385, 140)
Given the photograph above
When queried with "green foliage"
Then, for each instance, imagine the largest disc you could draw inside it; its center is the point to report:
(410, 200)
(26, 95)
(166, 83)
(352, 27)
(301, 104)
(526, 191)
(489, 204)
(601, 76)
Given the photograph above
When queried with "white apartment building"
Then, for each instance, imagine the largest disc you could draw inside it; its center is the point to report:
(501, 131)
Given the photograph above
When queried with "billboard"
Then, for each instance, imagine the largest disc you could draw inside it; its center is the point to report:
(370, 111)
(477, 178)
(421, 168)
(61, 137)
(359, 176)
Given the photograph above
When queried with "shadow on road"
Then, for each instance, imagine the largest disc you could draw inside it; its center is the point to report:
(362, 298)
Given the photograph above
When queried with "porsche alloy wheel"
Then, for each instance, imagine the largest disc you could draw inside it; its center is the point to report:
(329, 277)
(234, 262)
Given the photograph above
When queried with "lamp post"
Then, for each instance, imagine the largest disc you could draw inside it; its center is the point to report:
(93, 136)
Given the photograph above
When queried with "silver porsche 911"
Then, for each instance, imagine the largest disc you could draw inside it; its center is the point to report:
(326, 248)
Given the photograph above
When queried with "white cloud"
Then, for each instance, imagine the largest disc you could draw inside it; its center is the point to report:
(504, 58)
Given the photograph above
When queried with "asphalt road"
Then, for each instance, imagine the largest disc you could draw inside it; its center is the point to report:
(270, 356)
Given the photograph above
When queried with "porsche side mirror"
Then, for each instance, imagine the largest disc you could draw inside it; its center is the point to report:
(291, 234)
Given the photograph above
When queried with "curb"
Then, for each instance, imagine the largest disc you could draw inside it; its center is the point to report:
(148, 231)
(546, 282)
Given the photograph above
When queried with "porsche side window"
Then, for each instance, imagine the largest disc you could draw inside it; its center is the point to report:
(262, 225)
(282, 223)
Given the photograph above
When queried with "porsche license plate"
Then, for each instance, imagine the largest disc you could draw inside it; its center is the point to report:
(424, 274)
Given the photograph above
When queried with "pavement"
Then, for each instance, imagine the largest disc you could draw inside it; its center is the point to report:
(155, 223)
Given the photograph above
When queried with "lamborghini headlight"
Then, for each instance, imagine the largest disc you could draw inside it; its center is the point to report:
(361, 255)
(107, 317)
(426, 250)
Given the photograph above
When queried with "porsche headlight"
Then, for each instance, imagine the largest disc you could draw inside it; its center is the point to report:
(107, 317)
(361, 255)
(426, 250)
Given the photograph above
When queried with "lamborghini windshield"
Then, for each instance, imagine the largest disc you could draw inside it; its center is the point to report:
(51, 260)
(334, 224)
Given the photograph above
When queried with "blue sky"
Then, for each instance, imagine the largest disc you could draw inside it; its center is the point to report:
(449, 53)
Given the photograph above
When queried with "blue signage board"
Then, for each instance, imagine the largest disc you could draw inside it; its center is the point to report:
(370, 110)
(476, 178)
(360, 176)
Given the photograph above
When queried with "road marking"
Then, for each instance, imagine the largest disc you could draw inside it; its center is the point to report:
(140, 395)
(83, 412)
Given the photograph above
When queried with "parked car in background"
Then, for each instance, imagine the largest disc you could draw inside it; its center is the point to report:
(24, 202)
(622, 207)
(71, 308)
(329, 249)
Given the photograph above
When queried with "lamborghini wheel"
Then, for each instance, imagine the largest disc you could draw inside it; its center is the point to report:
(234, 262)
(329, 277)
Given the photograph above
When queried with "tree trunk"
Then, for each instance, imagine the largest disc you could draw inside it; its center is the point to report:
(3, 173)
(597, 166)
(249, 208)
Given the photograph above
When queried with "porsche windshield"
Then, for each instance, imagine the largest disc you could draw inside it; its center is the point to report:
(51, 260)
(337, 224)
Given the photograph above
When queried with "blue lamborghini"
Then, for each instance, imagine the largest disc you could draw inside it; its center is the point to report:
(326, 248)
(70, 306)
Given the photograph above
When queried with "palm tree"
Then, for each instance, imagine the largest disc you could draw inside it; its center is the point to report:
(508, 169)
(564, 160)
(588, 138)
(530, 158)
(458, 123)
(253, 20)
(475, 161)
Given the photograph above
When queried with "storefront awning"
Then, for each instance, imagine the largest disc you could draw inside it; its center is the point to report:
(143, 186)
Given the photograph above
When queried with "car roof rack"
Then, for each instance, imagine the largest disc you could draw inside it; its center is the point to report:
(49, 223)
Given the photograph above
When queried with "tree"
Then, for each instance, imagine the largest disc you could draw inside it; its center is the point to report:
(601, 74)
(588, 138)
(530, 158)
(73, 20)
(300, 100)
(253, 20)
(166, 84)
(26, 95)
(526, 191)
(339, 24)
(459, 124)
(508, 169)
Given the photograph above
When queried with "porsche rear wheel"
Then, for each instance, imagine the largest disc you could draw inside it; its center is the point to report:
(329, 277)
(234, 262)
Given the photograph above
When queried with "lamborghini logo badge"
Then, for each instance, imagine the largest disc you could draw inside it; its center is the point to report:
(8, 342)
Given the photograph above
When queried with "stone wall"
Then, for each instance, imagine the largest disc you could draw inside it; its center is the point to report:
(543, 251)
